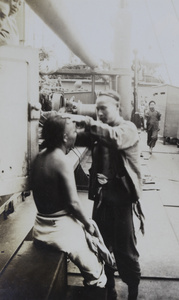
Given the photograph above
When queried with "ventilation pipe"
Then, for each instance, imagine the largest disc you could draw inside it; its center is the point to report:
(56, 15)
(121, 61)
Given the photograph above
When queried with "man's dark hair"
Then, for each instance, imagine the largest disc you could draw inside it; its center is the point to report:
(110, 93)
(152, 101)
(53, 131)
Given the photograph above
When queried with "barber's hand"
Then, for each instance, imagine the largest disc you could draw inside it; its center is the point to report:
(79, 119)
(92, 228)
(89, 227)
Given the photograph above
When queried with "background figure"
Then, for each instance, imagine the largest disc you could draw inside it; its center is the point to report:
(4, 12)
(59, 207)
(115, 185)
(153, 117)
(141, 113)
(9, 34)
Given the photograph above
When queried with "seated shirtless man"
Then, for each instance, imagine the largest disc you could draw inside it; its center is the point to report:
(61, 221)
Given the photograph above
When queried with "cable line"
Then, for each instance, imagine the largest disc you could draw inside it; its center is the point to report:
(174, 8)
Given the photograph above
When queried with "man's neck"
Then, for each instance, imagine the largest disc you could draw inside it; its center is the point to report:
(116, 121)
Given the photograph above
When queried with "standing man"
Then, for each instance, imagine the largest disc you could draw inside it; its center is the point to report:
(61, 221)
(153, 117)
(115, 186)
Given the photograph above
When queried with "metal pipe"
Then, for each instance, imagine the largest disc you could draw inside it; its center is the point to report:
(86, 109)
(56, 15)
(122, 56)
(93, 87)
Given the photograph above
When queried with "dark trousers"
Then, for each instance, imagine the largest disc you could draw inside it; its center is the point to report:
(152, 137)
(115, 222)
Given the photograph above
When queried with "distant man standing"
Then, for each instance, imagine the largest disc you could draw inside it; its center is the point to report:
(153, 117)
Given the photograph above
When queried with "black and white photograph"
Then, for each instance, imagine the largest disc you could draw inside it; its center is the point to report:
(89, 151)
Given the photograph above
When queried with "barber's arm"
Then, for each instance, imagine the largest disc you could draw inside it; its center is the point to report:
(122, 136)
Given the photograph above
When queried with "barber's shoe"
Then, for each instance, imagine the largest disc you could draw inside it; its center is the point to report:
(111, 293)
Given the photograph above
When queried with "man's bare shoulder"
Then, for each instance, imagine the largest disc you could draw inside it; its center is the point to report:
(60, 161)
(55, 159)
(58, 156)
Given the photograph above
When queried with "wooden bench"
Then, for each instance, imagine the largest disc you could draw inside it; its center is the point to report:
(40, 273)
(35, 273)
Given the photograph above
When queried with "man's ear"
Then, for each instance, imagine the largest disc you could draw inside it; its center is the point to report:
(118, 105)
(65, 138)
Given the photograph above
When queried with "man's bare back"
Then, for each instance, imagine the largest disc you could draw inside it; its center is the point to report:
(53, 181)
